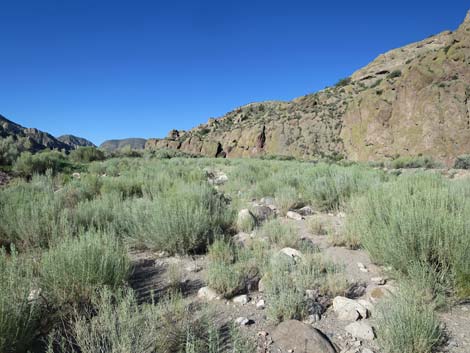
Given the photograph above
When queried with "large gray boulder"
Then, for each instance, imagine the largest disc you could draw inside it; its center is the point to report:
(293, 335)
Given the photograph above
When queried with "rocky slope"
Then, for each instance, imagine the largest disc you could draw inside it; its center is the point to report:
(410, 101)
(34, 139)
(133, 143)
(75, 141)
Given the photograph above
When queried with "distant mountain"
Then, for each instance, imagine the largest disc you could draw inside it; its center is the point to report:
(36, 139)
(75, 141)
(409, 101)
(134, 143)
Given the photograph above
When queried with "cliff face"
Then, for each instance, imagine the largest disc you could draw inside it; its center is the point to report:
(409, 101)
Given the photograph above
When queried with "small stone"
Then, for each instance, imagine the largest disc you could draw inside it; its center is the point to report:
(207, 294)
(305, 211)
(291, 253)
(362, 267)
(261, 286)
(378, 280)
(241, 299)
(361, 330)
(193, 267)
(294, 215)
(34, 295)
(262, 213)
(260, 304)
(366, 350)
(76, 175)
(243, 321)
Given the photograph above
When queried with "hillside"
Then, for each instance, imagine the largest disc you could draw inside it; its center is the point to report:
(75, 141)
(35, 139)
(410, 101)
(133, 143)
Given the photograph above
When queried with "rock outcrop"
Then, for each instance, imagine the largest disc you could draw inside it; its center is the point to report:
(75, 141)
(132, 143)
(410, 101)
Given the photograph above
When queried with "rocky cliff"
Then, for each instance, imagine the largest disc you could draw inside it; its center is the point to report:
(132, 143)
(410, 101)
(75, 141)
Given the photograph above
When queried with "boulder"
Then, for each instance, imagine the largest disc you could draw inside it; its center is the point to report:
(293, 253)
(348, 309)
(246, 219)
(295, 336)
(294, 215)
(207, 293)
(241, 299)
(361, 330)
(262, 213)
(242, 239)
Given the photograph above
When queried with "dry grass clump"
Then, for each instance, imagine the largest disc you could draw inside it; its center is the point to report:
(279, 233)
(18, 314)
(72, 270)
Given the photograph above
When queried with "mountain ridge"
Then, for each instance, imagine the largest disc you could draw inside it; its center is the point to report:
(412, 100)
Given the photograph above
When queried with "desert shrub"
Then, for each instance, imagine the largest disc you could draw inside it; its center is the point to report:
(331, 186)
(394, 74)
(229, 268)
(31, 214)
(29, 164)
(286, 299)
(318, 226)
(420, 218)
(118, 324)
(125, 186)
(8, 151)
(462, 162)
(87, 154)
(282, 234)
(182, 220)
(343, 82)
(18, 315)
(414, 162)
(286, 198)
(407, 324)
(84, 189)
(72, 270)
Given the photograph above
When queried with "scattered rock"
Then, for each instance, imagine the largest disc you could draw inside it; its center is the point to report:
(242, 239)
(305, 211)
(378, 280)
(260, 304)
(241, 299)
(299, 337)
(261, 286)
(268, 201)
(246, 217)
(262, 213)
(293, 253)
(362, 267)
(216, 177)
(361, 330)
(294, 215)
(243, 321)
(348, 309)
(76, 175)
(34, 295)
(193, 267)
(207, 293)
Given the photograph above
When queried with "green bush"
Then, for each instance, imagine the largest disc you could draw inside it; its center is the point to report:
(87, 154)
(343, 82)
(18, 315)
(119, 325)
(407, 324)
(29, 164)
(72, 270)
(420, 218)
(414, 162)
(31, 214)
(282, 234)
(394, 74)
(8, 151)
(462, 162)
(230, 268)
(183, 220)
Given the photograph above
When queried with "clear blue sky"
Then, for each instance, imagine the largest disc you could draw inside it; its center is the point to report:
(115, 69)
